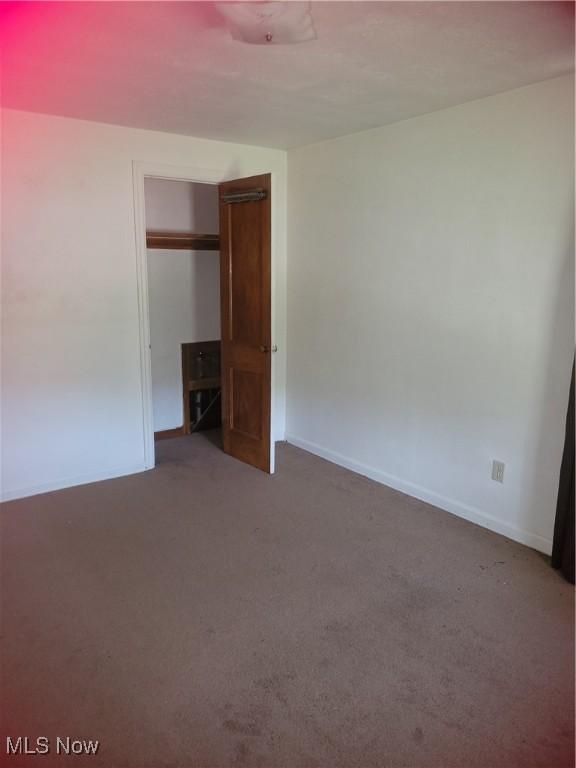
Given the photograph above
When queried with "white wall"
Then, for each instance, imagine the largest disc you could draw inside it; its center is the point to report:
(181, 206)
(71, 382)
(183, 288)
(430, 314)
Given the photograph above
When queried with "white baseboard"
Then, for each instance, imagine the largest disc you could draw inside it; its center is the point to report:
(58, 485)
(431, 497)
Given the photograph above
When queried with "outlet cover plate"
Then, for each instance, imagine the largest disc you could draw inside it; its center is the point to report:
(498, 471)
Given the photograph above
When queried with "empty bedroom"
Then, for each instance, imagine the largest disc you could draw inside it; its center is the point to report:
(287, 384)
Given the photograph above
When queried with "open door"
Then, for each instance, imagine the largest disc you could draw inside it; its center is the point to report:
(245, 289)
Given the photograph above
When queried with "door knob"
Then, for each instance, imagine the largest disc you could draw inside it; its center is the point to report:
(265, 350)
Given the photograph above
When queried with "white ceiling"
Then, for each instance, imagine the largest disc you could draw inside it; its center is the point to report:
(172, 66)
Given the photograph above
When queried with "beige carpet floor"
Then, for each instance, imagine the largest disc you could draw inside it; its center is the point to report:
(206, 615)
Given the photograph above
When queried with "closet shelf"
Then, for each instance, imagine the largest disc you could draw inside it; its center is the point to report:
(205, 383)
(183, 241)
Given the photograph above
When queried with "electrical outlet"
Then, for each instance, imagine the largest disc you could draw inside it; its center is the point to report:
(498, 471)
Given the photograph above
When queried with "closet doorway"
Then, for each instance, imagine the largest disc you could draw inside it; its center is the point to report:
(204, 276)
(183, 264)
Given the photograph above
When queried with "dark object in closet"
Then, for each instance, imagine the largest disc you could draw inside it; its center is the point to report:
(201, 385)
(563, 548)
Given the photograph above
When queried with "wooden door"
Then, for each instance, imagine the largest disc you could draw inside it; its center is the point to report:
(245, 292)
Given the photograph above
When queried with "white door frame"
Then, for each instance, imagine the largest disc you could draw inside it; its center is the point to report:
(141, 171)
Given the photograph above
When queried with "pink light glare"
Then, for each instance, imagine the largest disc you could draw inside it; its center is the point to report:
(22, 25)
(86, 59)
